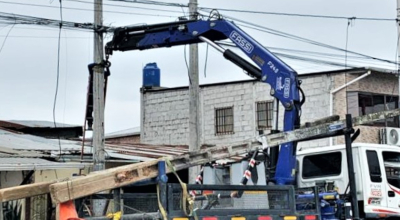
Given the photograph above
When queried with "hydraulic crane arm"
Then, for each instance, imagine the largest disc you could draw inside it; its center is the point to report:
(282, 79)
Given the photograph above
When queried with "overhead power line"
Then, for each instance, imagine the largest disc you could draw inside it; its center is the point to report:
(124, 6)
(91, 10)
(298, 15)
(321, 58)
(302, 39)
(208, 9)
(11, 19)
(149, 2)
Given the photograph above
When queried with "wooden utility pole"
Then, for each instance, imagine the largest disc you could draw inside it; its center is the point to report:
(98, 101)
(194, 142)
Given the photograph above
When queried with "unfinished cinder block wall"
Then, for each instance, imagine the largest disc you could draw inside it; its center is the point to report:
(165, 114)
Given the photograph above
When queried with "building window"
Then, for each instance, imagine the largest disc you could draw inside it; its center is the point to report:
(321, 165)
(264, 114)
(224, 120)
(371, 103)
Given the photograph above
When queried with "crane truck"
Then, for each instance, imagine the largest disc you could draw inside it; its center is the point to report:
(328, 197)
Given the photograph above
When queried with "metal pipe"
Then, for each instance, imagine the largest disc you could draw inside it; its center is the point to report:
(117, 199)
(276, 114)
(338, 89)
(251, 69)
(350, 166)
(211, 43)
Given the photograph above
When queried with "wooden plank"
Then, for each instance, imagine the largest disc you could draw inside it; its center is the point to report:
(24, 191)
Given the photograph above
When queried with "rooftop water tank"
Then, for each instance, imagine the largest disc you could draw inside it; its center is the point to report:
(151, 75)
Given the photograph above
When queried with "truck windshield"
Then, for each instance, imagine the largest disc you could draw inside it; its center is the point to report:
(392, 167)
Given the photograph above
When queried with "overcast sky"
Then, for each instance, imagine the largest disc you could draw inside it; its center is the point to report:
(28, 58)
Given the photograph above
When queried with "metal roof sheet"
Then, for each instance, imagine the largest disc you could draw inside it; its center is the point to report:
(123, 133)
(23, 145)
(31, 142)
(36, 145)
(17, 164)
(41, 124)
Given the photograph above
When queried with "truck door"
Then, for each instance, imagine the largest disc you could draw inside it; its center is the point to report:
(391, 162)
(374, 187)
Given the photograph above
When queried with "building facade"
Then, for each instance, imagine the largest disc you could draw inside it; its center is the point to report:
(235, 112)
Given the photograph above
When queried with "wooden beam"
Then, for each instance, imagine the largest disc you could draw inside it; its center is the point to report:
(24, 191)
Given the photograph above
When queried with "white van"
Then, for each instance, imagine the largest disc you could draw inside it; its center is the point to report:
(377, 172)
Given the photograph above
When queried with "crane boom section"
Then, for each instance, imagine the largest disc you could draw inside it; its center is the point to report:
(282, 78)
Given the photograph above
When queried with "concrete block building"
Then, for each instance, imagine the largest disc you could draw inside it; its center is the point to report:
(234, 112)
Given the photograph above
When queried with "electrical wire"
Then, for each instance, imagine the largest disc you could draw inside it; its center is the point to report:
(57, 81)
(302, 57)
(255, 12)
(318, 55)
(298, 15)
(187, 65)
(6, 37)
(149, 2)
(305, 40)
(33, 20)
(8, 18)
(43, 37)
(20, 19)
(82, 9)
(124, 6)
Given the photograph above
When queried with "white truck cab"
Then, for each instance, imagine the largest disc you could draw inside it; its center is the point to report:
(377, 173)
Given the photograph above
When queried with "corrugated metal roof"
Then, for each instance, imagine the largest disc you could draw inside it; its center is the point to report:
(41, 124)
(31, 142)
(17, 164)
(34, 146)
(123, 133)
(22, 145)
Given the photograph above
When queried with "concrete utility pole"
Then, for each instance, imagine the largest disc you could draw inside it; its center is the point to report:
(98, 102)
(194, 143)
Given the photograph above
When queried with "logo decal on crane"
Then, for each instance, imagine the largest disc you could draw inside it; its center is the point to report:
(273, 67)
(283, 85)
(286, 90)
(241, 41)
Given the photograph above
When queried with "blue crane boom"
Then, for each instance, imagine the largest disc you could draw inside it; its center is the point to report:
(283, 80)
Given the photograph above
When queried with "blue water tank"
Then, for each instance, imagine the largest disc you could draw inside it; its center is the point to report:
(151, 75)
